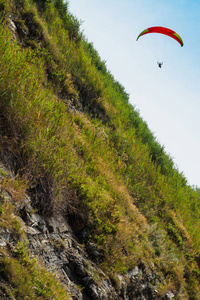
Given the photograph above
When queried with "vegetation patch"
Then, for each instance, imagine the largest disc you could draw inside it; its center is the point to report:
(28, 278)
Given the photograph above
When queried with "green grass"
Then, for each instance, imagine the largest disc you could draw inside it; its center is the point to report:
(29, 279)
(105, 152)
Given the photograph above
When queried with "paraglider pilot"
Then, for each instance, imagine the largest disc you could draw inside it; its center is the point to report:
(160, 64)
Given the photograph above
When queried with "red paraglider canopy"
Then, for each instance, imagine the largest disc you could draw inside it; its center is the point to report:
(163, 30)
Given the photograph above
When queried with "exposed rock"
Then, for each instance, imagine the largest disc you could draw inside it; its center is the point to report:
(133, 273)
(2, 243)
(31, 230)
(13, 28)
(169, 296)
(76, 260)
(52, 241)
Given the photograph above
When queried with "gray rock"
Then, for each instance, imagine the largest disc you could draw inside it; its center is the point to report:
(12, 25)
(31, 230)
(169, 296)
(2, 243)
(134, 272)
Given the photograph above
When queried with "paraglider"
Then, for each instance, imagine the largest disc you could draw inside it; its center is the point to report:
(162, 30)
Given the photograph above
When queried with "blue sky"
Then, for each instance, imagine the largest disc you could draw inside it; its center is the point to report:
(168, 98)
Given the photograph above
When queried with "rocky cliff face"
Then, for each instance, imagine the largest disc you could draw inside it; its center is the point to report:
(75, 260)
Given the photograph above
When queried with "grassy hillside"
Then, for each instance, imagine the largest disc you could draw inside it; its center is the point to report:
(67, 128)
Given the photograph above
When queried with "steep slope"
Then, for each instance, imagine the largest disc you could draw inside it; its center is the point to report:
(68, 131)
